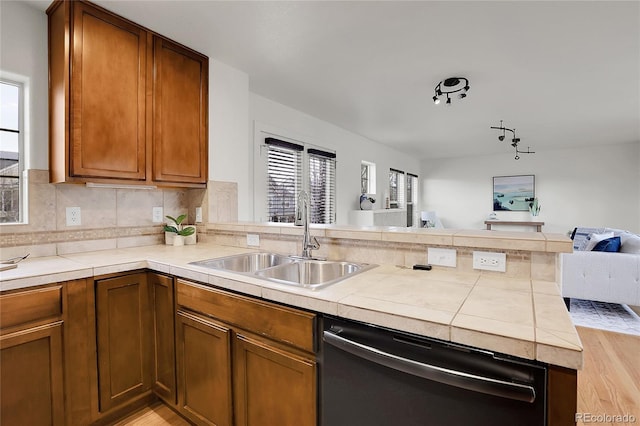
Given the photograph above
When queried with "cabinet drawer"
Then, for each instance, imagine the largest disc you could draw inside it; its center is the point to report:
(279, 323)
(30, 306)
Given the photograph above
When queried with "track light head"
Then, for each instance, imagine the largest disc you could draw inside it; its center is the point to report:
(448, 100)
(501, 138)
(436, 100)
(462, 95)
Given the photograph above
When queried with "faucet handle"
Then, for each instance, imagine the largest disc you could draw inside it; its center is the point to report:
(314, 244)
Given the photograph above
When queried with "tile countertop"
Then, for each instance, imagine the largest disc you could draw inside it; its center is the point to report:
(520, 317)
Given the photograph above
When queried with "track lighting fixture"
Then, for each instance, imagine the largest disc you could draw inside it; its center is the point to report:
(449, 86)
(514, 141)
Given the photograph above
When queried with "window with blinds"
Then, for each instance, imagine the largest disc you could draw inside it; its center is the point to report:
(322, 186)
(11, 152)
(396, 189)
(284, 179)
(289, 171)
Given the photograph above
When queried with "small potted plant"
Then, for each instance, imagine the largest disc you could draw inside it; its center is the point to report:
(176, 234)
(534, 208)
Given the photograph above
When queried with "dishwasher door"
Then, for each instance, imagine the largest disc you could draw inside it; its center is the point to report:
(374, 376)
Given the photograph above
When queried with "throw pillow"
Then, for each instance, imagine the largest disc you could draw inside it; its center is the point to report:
(610, 245)
(630, 243)
(595, 239)
(580, 237)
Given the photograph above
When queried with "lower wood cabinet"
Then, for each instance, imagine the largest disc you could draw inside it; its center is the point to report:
(273, 386)
(89, 351)
(163, 335)
(31, 357)
(32, 377)
(204, 370)
(123, 338)
(243, 361)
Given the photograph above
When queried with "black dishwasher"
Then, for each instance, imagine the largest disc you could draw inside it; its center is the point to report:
(373, 376)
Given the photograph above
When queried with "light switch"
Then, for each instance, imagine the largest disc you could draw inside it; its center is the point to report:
(157, 214)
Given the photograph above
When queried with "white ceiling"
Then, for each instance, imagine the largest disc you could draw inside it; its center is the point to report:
(562, 73)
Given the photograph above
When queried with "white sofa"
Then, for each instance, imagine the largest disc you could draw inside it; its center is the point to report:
(612, 277)
(601, 276)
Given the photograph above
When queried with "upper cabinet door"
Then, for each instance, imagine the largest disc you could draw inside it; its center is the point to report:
(108, 83)
(180, 105)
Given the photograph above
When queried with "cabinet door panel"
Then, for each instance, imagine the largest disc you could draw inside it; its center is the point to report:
(164, 373)
(272, 386)
(31, 377)
(204, 370)
(108, 133)
(123, 331)
(179, 114)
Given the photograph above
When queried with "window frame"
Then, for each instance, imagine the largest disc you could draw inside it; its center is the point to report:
(396, 190)
(368, 175)
(303, 181)
(21, 131)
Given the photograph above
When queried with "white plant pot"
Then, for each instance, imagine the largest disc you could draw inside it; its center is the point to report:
(168, 238)
(178, 240)
(190, 239)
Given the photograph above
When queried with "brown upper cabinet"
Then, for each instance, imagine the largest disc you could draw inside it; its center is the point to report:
(126, 105)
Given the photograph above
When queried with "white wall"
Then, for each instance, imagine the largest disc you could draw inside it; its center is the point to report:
(23, 54)
(350, 149)
(591, 186)
(229, 140)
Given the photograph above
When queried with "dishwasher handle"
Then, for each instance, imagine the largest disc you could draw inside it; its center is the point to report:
(447, 376)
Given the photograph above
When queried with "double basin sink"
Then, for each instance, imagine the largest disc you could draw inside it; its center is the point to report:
(290, 270)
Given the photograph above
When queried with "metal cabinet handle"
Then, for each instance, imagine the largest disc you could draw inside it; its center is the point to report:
(447, 376)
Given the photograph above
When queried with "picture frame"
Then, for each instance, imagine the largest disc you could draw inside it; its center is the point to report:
(513, 193)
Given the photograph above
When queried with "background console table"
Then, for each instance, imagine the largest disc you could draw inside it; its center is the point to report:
(538, 225)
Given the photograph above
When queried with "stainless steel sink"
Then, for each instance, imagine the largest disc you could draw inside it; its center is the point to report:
(245, 263)
(290, 270)
(313, 273)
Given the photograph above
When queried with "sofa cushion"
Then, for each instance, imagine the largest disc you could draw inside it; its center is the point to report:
(609, 244)
(630, 243)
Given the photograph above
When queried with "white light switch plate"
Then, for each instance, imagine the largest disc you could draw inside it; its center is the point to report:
(157, 214)
(198, 214)
(490, 261)
(73, 216)
(441, 257)
(253, 240)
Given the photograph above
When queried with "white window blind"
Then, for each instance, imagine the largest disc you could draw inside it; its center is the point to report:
(284, 175)
(322, 186)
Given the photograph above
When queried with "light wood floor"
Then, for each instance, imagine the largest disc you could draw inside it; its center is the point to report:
(609, 383)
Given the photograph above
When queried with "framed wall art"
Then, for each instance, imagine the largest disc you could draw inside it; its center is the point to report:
(513, 193)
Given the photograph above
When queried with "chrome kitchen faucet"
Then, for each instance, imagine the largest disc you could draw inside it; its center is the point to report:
(302, 219)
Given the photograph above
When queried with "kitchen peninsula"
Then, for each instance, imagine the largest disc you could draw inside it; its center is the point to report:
(518, 313)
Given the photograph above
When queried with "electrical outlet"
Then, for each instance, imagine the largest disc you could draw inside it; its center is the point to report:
(73, 216)
(253, 240)
(490, 261)
(441, 257)
(198, 214)
(157, 214)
